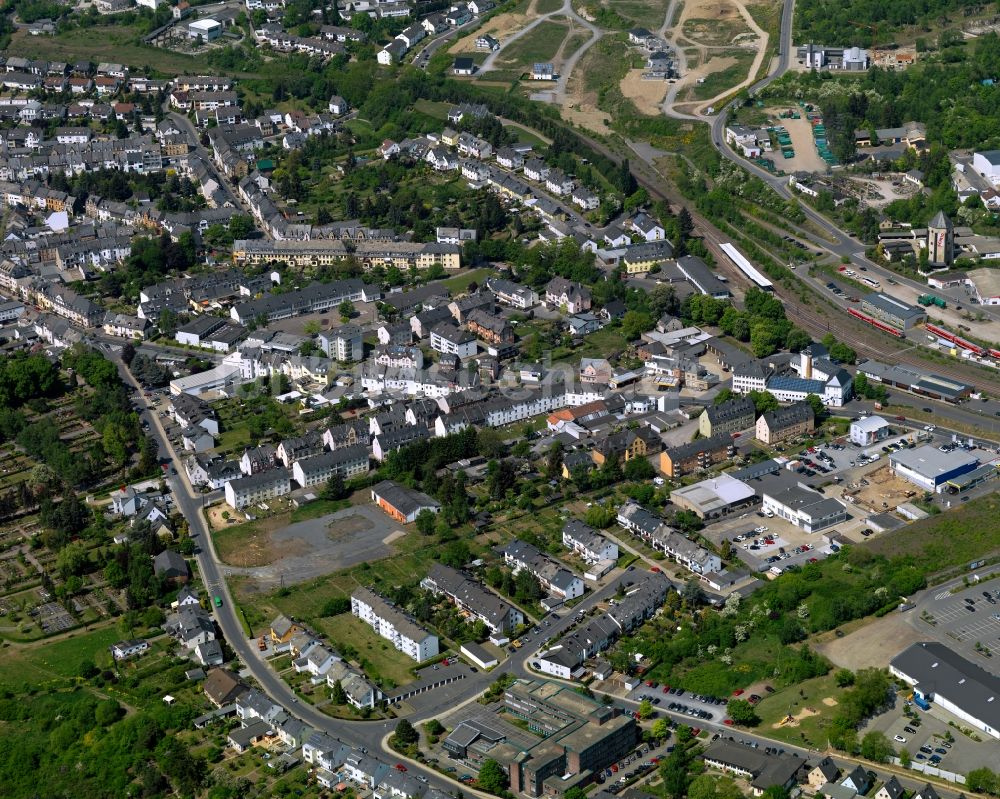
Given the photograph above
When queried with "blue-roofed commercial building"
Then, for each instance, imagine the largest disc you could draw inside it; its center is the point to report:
(930, 468)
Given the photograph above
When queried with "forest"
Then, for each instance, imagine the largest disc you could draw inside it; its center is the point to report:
(848, 22)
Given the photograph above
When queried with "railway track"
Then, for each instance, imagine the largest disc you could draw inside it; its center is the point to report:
(865, 341)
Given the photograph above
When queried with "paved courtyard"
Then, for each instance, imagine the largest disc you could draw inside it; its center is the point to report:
(326, 544)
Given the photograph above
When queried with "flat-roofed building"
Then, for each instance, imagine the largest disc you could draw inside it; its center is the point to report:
(804, 507)
(715, 497)
(930, 468)
(942, 676)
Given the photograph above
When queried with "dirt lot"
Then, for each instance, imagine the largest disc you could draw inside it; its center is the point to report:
(884, 492)
(806, 156)
(255, 545)
(273, 550)
(646, 94)
(865, 646)
(707, 26)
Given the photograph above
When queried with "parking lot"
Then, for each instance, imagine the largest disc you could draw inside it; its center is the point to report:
(924, 734)
(761, 538)
(681, 703)
(964, 619)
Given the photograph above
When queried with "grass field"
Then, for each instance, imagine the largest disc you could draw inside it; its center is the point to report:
(432, 109)
(459, 283)
(799, 700)
(539, 44)
(526, 136)
(953, 538)
(717, 82)
(37, 664)
(547, 6)
(117, 43)
(641, 12)
(377, 655)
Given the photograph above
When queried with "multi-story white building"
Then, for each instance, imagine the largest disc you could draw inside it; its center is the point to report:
(749, 377)
(258, 487)
(392, 624)
(588, 543)
(804, 508)
(344, 344)
(348, 462)
(451, 340)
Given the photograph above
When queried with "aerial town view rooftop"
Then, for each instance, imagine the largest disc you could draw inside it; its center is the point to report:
(405, 399)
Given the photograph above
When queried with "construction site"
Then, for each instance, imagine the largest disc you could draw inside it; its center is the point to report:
(879, 491)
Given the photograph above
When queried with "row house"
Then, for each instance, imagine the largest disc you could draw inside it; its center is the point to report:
(473, 598)
(551, 574)
(392, 624)
(490, 328)
(347, 462)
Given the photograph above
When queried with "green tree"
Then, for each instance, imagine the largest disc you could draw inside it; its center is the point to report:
(635, 323)
(660, 729)
(335, 488)
(763, 401)
(425, 521)
(742, 712)
(842, 353)
(347, 311)
(404, 734)
(434, 727)
(982, 780)
(492, 778)
(645, 709)
(819, 409)
(338, 694)
(844, 678)
(639, 469)
(876, 747)
(688, 521)
(905, 759)
(797, 340)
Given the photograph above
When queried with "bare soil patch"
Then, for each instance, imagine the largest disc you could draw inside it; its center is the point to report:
(646, 94)
(865, 647)
(500, 27)
(829, 701)
(793, 721)
(885, 491)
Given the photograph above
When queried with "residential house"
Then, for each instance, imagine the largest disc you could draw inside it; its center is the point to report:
(728, 417)
(392, 624)
(784, 423)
